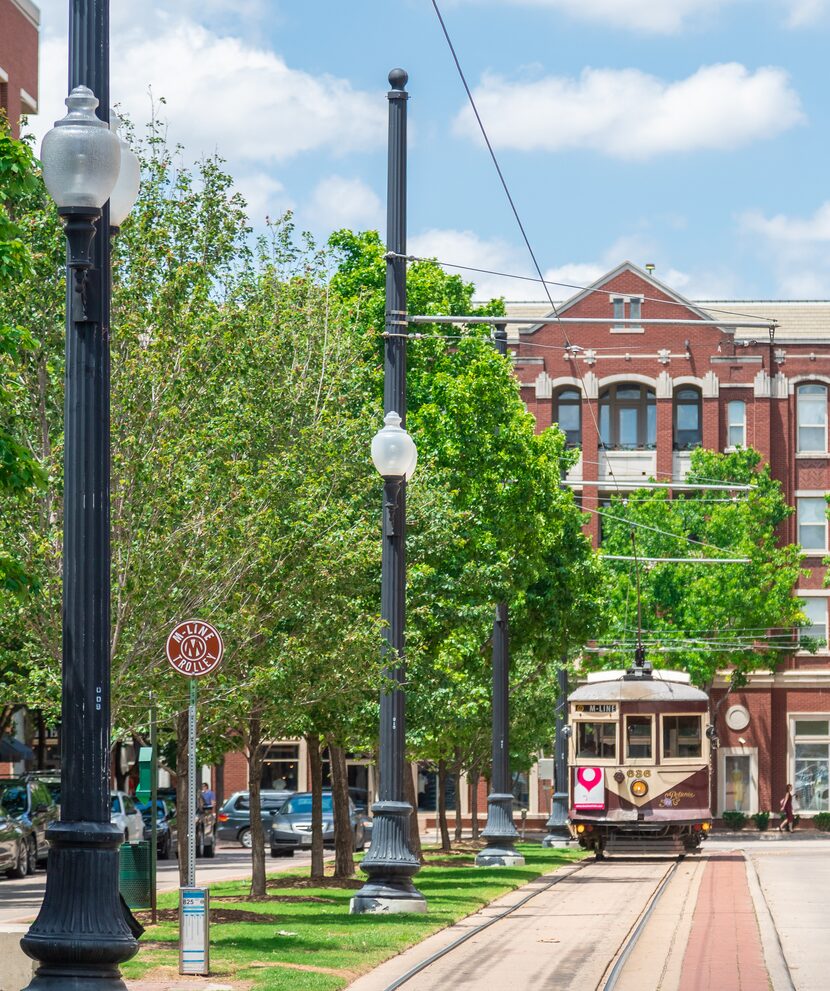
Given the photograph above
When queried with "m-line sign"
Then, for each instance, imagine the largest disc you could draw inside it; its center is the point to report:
(194, 648)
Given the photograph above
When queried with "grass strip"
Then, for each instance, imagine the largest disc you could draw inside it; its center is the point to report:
(303, 939)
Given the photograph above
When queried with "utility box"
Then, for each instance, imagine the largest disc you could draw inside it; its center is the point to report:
(135, 878)
(194, 931)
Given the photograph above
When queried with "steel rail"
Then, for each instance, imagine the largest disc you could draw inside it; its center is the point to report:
(634, 936)
(433, 957)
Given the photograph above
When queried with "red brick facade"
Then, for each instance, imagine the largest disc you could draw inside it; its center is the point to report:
(19, 21)
(721, 364)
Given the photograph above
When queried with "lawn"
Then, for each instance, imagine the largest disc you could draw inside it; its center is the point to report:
(268, 945)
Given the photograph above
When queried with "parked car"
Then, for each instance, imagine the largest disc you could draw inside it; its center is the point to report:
(235, 815)
(126, 816)
(291, 825)
(360, 797)
(15, 846)
(52, 780)
(205, 822)
(167, 833)
(31, 803)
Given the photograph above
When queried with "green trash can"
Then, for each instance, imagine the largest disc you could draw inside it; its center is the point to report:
(134, 877)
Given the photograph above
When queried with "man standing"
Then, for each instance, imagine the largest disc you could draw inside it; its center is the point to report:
(208, 797)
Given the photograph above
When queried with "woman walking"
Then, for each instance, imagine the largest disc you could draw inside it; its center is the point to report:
(787, 817)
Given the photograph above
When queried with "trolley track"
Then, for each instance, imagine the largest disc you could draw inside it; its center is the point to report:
(615, 967)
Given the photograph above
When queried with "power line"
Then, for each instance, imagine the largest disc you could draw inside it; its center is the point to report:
(654, 529)
(676, 560)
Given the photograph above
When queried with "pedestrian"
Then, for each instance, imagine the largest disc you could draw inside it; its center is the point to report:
(208, 797)
(787, 817)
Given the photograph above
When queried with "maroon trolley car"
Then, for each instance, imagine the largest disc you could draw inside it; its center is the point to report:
(639, 762)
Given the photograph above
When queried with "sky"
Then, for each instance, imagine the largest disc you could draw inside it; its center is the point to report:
(691, 134)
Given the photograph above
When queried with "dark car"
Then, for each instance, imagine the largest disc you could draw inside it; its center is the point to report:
(15, 846)
(31, 803)
(235, 815)
(206, 831)
(291, 825)
(167, 833)
(360, 797)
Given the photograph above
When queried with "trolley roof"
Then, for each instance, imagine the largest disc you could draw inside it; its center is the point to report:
(617, 688)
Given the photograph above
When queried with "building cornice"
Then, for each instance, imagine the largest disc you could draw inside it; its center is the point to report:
(29, 10)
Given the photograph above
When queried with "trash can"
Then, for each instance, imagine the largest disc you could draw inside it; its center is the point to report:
(134, 878)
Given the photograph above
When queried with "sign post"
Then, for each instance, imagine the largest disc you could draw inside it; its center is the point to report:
(194, 649)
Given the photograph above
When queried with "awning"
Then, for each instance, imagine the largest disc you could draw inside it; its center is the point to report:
(14, 750)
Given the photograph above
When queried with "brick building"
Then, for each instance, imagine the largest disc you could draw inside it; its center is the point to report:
(655, 391)
(19, 21)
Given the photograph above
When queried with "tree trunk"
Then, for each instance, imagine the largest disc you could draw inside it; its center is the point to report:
(219, 771)
(442, 806)
(410, 796)
(343, 836)
(457, 777)
(41, 740)
(315, 766)
(181, 794)
(474, 778)
(254, 788)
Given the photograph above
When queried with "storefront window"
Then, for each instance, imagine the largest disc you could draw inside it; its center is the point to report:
(281, 767)
(521, 790)
(737, 783)
(812, 764)
(596, 740)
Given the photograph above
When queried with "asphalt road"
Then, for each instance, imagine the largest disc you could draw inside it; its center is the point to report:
(20, 899)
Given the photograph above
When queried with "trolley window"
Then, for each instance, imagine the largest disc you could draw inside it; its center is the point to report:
(681, 737)
(596, 740)
(638, 737)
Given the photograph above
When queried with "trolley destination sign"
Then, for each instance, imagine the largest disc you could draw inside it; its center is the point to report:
(195, 648)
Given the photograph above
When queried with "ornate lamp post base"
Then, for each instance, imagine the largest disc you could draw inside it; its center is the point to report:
(81, 934)
(390, 865)
(557, 826)
(500, 834)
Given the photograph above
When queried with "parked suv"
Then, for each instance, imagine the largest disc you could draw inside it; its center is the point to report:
(235, 815)
(31, 804)
(205, 824)
(291, 825)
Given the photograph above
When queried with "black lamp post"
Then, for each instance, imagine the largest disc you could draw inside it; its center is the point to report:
(557, 824)
(500, 832)
(83, 932)
(390, 863)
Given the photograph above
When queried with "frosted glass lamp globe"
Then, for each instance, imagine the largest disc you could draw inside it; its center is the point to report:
(123, 197)
(393, 451)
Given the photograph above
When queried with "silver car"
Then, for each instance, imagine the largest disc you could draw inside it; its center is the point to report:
(291, 825)
(126, 816)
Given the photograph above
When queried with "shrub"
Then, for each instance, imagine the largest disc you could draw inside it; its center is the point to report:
(822, 821)
(735, 819)
(761, 820)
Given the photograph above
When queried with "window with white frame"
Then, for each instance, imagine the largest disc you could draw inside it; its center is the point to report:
(811, 412)
(812, 522)
(635, 311)
(810, 735)
(736, 423)
(814, 608)
(568, 414)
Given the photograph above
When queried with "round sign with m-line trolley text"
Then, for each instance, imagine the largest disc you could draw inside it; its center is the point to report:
(195, 648)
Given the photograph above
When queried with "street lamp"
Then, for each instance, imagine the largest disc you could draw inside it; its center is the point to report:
(83, 930)
(125, 191)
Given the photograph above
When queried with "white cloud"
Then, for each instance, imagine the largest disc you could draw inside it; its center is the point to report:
(265, 196)
(651, 16)
(797, 248)
(802, 13)
(338, 202)
(222, 94)
(628, 114)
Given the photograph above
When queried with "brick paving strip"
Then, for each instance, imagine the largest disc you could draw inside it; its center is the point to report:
(724, 951)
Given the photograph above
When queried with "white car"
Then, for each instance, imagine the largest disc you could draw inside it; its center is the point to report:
(126, 816)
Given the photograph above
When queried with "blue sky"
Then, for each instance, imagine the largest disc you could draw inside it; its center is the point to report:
(694, 134)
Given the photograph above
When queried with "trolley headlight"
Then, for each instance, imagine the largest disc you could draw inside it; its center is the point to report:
(639, 788)
(580, 828)
(706, 826)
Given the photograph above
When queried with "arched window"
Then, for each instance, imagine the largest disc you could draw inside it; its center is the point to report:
(628, 417)
(688, 431)
(811, 411)
(567, 412)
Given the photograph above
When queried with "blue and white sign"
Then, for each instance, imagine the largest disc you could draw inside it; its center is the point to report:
(194, 929)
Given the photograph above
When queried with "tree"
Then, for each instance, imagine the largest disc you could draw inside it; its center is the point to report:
(704, 619)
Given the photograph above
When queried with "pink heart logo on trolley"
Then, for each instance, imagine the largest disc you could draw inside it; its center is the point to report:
(588, 776)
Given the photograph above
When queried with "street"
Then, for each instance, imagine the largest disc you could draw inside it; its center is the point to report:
(20, 899)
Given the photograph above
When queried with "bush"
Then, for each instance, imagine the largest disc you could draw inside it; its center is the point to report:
(822, 821)
(761, 820)
(735, 819)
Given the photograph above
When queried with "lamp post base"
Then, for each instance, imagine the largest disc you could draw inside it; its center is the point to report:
(81, 934)
(390, 864)
(500, 834)
(557, 826)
